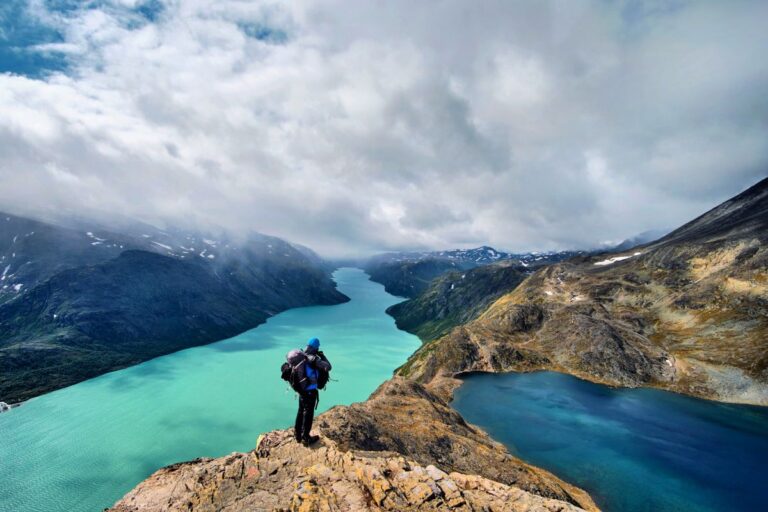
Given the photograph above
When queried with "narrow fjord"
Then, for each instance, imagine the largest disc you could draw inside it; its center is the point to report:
(81, 448)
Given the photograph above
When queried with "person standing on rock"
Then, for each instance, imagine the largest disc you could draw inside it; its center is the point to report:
(307, 371)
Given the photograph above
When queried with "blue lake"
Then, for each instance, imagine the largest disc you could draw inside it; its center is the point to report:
(81, 448)
(634, 450)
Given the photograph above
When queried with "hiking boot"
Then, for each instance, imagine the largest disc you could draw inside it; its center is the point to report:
(310, 440)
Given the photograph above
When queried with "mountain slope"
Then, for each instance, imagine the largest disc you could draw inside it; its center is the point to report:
(74, 310)
(409, 278)
(455, 298)
(688, 313)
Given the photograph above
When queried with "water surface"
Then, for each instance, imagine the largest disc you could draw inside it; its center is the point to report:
(81, 448)
(634, 450)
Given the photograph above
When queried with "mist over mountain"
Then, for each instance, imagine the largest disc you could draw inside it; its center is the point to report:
(78, 302)
(369, 128)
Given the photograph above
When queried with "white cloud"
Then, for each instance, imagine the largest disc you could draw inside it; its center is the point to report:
(361, 126)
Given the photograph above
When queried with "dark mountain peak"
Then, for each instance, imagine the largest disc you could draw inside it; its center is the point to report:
(743, 216)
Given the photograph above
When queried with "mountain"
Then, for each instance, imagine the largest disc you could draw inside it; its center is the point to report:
(455, 298)
(409, 278)
(687, 313)
(407, 274)
(76, 303)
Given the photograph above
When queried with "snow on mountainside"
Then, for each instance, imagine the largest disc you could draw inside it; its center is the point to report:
(409, 273)
(478, 256)
(82, 299)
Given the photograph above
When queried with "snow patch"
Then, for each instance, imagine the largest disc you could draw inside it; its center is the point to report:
(210, 242)
(2, 278)
(17, 287)
(91, 235)
(610, 261)
(163, 245)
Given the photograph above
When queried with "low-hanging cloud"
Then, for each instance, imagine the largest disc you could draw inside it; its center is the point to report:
(355, 127)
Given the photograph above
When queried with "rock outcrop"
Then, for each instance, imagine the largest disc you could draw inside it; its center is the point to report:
(402, 449)
(405, 417)
(282, 475)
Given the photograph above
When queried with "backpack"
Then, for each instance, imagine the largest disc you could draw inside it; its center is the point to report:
(292, 370)
(322, 375)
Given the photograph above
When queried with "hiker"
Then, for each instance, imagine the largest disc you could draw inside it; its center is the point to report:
(307, 371)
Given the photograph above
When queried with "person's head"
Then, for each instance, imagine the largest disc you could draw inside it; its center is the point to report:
(313, 345)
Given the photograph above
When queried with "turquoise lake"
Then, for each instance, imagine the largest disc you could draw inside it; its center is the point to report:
(634, 450)
(81, 448)
(641, 450)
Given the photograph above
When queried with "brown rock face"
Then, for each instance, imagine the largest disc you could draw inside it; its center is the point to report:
(282, 475)
(404, 417)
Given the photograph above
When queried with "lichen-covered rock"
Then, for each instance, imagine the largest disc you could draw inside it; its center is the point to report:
(282, 475)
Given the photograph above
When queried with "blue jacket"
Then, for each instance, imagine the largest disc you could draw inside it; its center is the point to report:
(310, 368)
(312, 376)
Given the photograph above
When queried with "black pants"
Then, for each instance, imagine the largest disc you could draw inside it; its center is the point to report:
(306, 413)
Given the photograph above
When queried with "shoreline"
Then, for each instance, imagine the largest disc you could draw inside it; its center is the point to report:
(459, 376)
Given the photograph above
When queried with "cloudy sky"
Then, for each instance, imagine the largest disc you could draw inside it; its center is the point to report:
(363, 126)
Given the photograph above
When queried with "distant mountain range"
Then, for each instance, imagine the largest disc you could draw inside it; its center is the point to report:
(80, 300)
(687, 312)
(407, 274)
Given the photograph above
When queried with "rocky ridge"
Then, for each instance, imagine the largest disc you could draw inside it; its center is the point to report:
(403, 449)
(282, 475)
(687, 313)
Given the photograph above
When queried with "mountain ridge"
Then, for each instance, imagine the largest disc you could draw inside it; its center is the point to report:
(75, 303)
(686, 313)
(407, 274)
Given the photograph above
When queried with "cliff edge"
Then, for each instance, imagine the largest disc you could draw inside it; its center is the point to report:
(402, 449)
